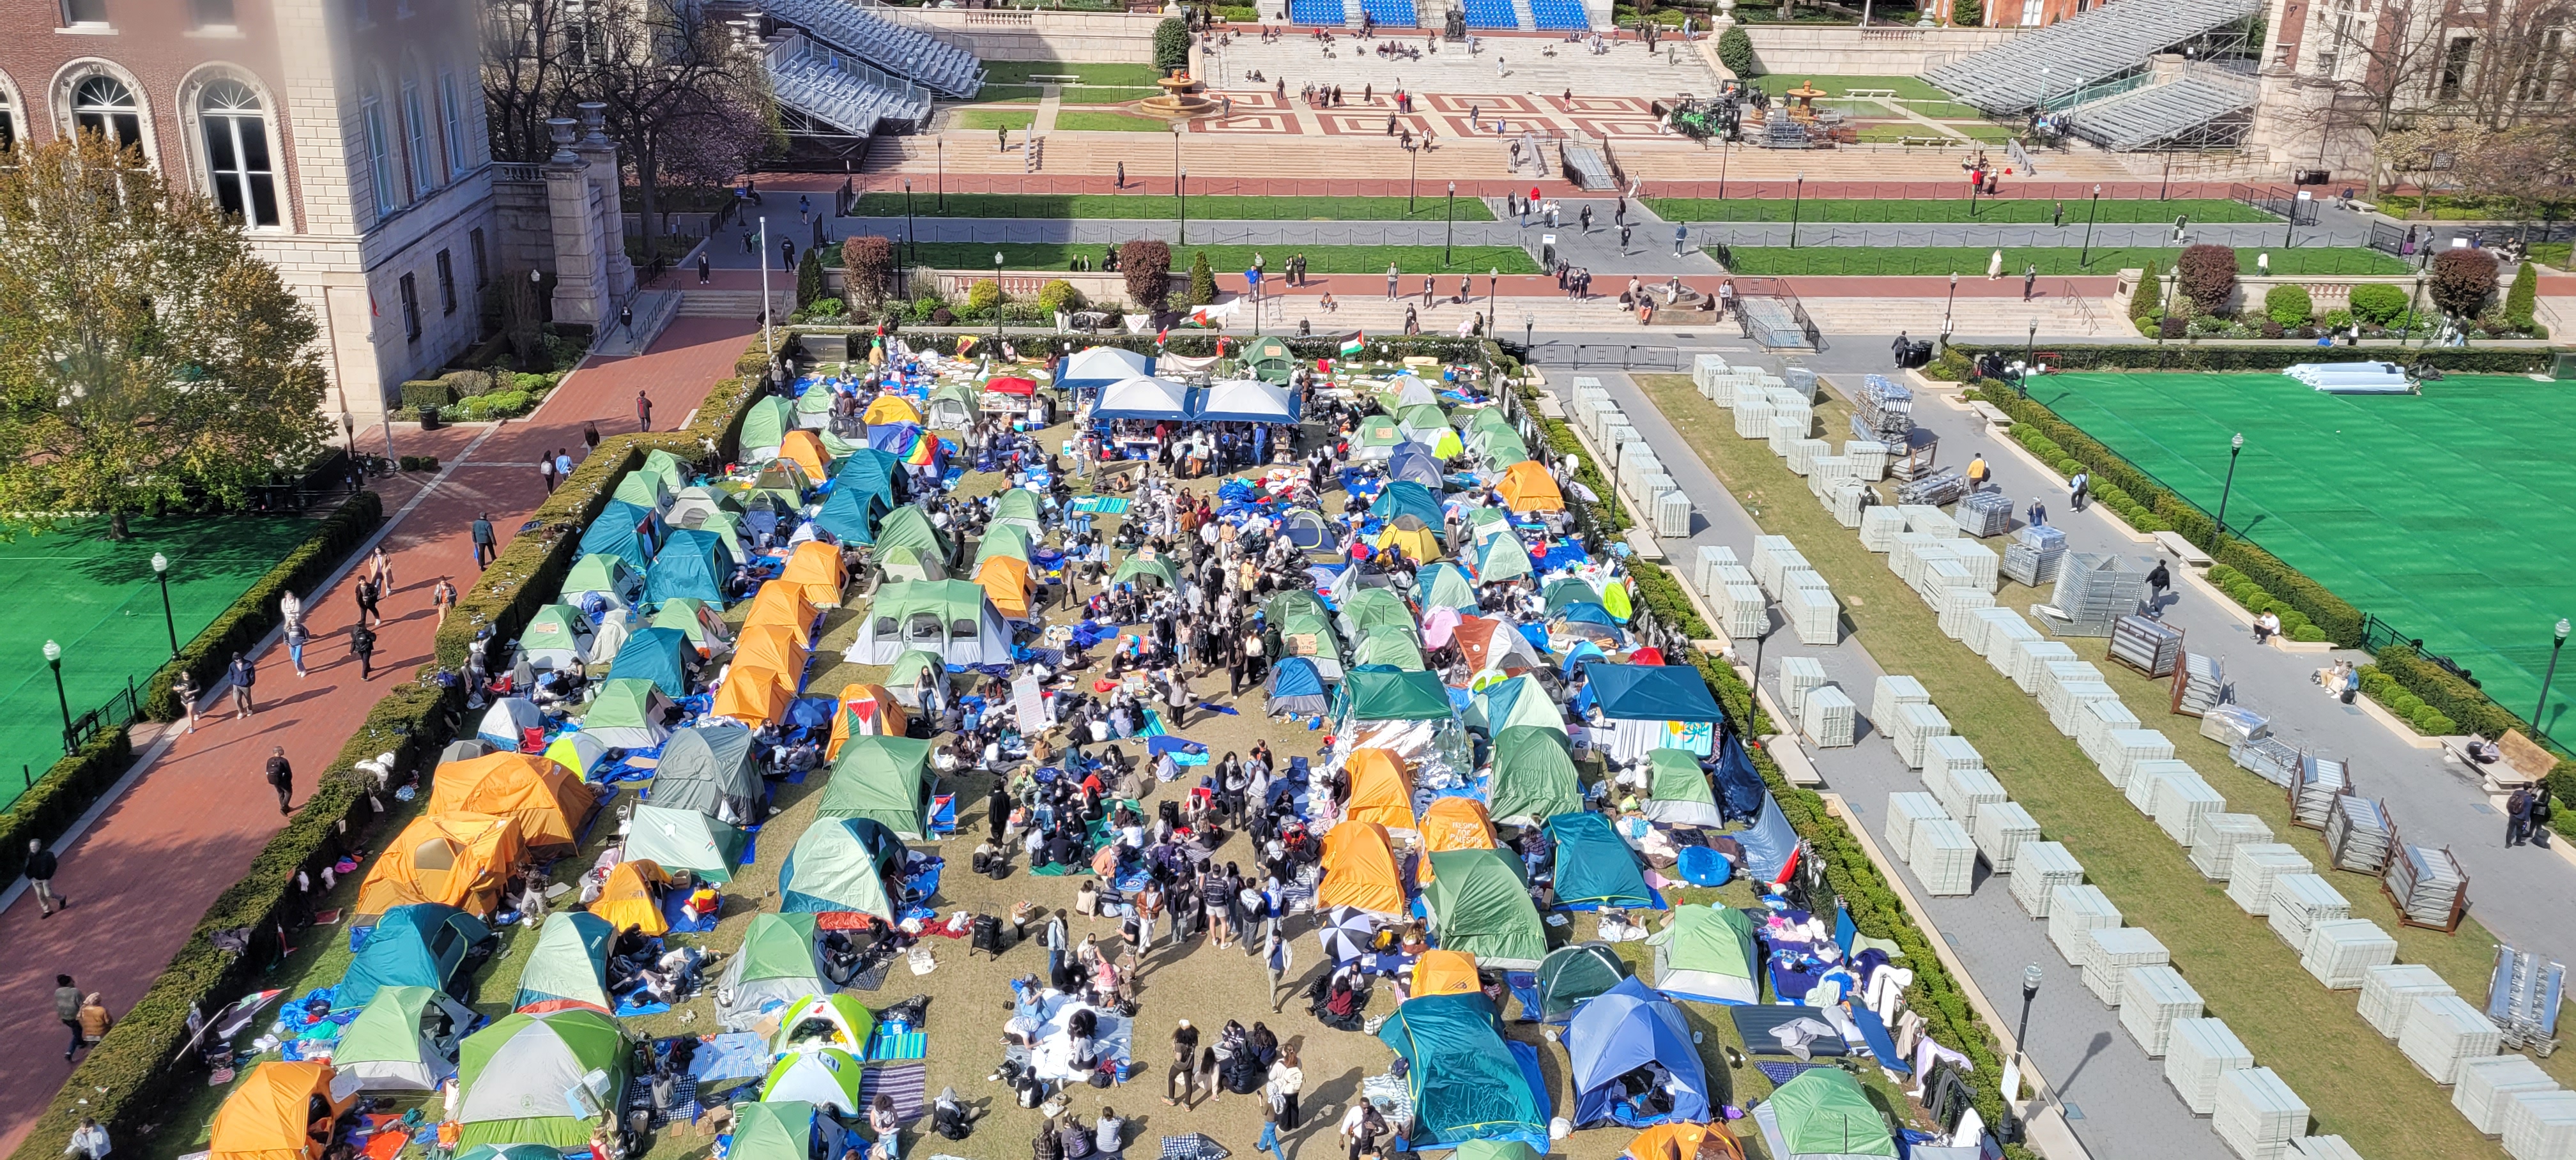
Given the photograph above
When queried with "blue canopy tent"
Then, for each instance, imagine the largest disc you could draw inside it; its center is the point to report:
(626, 531)
(1622, 1030)
(691, 565)
(659, 655)
(1594, 868)
(1771, 846)
(1650, 707)
(850, 515)
(1739, 786)
(1467, 1081)
(1414, 462)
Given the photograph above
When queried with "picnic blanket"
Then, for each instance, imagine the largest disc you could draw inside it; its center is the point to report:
(907, 1083)
(1101, 505)
(1754, 1025)
(674, 912)
(728, 1059)
(889, 1044)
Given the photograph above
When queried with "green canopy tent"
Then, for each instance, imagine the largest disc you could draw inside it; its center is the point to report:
(1371, 609)
(677, 838)
(1678, 792)
(841, 864)
(1407, 498)
(777, 965)
(710, 770)
(1533, 776)
(610, 576)
(420, 945)
(1823, 1114)
(1135, 566)
(884, 779)
(955, 618)
(1479, 905)
(1707, 955)
(1595, 868)
(1571, 974)
(516, 1076)
(783, 1130)
(569, 968)
(1002, 539)
(644, 489)
(1446, 585)
(405, 1040)
(765, 426)
(909, 527)
(1463, 1078)
(1390, 695)
(628, 714)
(1390, 646)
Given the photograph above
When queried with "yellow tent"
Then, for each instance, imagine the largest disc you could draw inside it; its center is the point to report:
(1684, 1142)
(1412, 537)
(1006, 580)
(783, 602)
(1360, 870)
(272, 1115)
(627, 898)
(805, 449)
(866, 711)
(1442, 972)
(1380, 791)
(775, 647)
(548, 800)
(754, 696)
(1527, 487)
(816, 568)
(1453, 823)
(460, 859)
(889, 410)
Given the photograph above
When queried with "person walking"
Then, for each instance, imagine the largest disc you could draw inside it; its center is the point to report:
(1583, 220)
(1276, 959)
(443, 598)
(589, 437)
(1994, 265)
(563, 466)
(2029, 280)
(2057, 217)
(486, 547)
(281, 777)
(626, 319)
(368, 600)
(643, 411)
(2159, 582)
(41, 866)
(243, 675)
(705, 270)
(546, 470)
(1623, 237)
(295, 639)
(2037, 516)
(2517, 817)
(1287, 1081)
(2078, 489)
(67, 1007)
(1269, 1141)
(1392, 274)
(381, 566)
(362, 644)
(1122, 176)
(1177, 1085)
(184, 687)
(1978, 472)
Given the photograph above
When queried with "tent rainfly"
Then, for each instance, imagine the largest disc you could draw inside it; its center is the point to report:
(268, 1116)
(614, 580)
(1479, 905)
(662, 656)
(1143, 398)
(629, 714)
(1101, 366)
(1678, 791)
(405, 1040)
(684, 839)
(517, 1077)
(1295, 687)
(1533, 776)
(777, 965)
(1360, 870)
(421, 945)
(710, 769)
(1822, 1115)
(691, 566)
(548, 801)
(884, 779)
(1244, 401)
(1465, 1081)
(1623, 1030)
(954, 618)
(557, 635)
(456, 859)
(1707, 955)
(1593, 867)
(569, 968)
(841, 865)
(1571, 976)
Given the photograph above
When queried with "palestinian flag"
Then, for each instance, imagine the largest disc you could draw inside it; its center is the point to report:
(1354, 344)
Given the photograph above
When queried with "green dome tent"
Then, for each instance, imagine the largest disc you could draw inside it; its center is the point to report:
(1019, 507)
(710, 770)
(820, 1022)
(909, 527)
(783, 485)
(828, 1079)
(1390, 646)
(1502, 449)
(684, 839)
(691, 505)
(628, 714)
(900, 563)
(659, 655)
(1533, 777)
(903, 678)
(1501, 558)
(1389, 695)
(1379, 437)
(1002, 539)
(1823, 1115)
(1479, 905)
(691, 565)
(1155, 566)
(1593, 866)
(1463, 1078)
(841, 864)
(777, 965)
(674, 472)
(1374, 608)
(1268, 360)
(783, 1130)
(1707, 955)
(569, 968)
(405, 1040)
(645, 490)
(1516, 701)
(1571, 974)
(607, 575)
(1446, 585)
(951, 407)
(698, 620)
(884, 779)
(765, 426)
(556, 636)
(1302, 627)
(1678, 792)
(420, 945)
(1406, 498)
(515, 1075)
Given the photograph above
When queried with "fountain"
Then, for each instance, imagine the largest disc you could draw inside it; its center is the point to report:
(1180, 99)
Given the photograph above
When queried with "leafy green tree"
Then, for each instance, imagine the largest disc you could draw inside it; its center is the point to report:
(146, 355)
(1171, 46)
(1202, 281)
(809, 277)
(2522, 299)
(1735, 51)
(2151, 293)
(1967, 13)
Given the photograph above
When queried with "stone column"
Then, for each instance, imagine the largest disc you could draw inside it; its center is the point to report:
(581, 266)
(600, 154)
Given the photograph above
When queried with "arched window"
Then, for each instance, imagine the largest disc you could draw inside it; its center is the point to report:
(237, 160)
(8, 120)
(103, 105)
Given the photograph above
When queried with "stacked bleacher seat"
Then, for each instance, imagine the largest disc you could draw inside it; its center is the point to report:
(909, 52)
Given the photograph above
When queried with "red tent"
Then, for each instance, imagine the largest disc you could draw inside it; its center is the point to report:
(1012, 386)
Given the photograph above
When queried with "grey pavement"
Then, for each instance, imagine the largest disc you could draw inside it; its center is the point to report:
(2107, 235)
(2119, 1094)
(1110, 231)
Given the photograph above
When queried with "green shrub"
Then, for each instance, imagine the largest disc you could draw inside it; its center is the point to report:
(2430, 722)
(2376, 683)
(64, 792)
(1951, 367)
(2308, 634)
(1057, 296)
(1967, 13)
(2443, 689)
(1735, 51)
(2522, 299)
(2378, 304)
(984, 296)
(430, 393)
(1171, 45)
(2150, 295)
(2336, 319)
(2220, 574)
(2406, 704)
(468, 384)
(2288, 305)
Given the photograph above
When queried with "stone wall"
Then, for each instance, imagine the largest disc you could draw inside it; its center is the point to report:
(1835, 50)
(1001, 34)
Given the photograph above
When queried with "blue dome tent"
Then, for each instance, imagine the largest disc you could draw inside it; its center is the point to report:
(691, 565)
(1627, 1028)
(623, 530)
(659, 655)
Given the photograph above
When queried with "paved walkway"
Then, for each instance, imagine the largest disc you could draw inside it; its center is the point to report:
(194, 813)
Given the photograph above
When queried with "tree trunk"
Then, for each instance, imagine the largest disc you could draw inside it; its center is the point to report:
(648, 191)
(116, 527)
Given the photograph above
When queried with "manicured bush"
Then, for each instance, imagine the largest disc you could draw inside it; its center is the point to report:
(469, 383)
(1171, 45)
(2287, 305)
(2522, 299)
(1148, 269)
(430, 393)
(2462, 281)
(1735, 51)
(2462, 702)
(2430, 722)
(2150, 295)
(2308, 634)
(983, 296)
(1202, 281)
(2207, 275)
(2378, 304)
(1058, 295)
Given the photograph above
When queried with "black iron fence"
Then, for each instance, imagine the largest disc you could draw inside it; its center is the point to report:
(120, 710)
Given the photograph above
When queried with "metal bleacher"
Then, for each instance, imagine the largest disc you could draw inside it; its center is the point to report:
(856, 31)
(1559, 15)
(836, 92)
(2193, 108)
(2037, 68)
(1391, 13)
(1491, 14)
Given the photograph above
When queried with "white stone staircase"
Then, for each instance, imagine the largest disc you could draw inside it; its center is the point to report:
(738, 303)
(1521, 12)
(654, 309)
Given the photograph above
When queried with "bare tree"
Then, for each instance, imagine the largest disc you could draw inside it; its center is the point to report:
(2407, 78)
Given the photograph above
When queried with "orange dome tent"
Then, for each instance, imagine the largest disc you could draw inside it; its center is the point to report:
(1454, 823)
(272, 1114)
(627, 897)
(816, 568)
(783, 602)
(1685, 1142)
(548, 800)
(1380, 791)
(805, 449)
(890, 409)
(755, 696)
(460, 859)
(1527, 487)
(1006, 581)
(866, 711)
(1360, 870)
(1441, 972)
(770, 646)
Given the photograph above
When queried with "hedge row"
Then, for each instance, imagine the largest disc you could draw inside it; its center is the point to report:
(62, 795)
(1874, 906)
(2189, 357)
(2243, 590)
(2423, 718)
(818, 342)
(255, 612)
(2336, 620)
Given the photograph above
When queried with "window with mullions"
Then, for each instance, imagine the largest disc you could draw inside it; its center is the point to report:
(238, 168)
(103, 105)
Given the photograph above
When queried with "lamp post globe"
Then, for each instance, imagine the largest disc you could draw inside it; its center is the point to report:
(54, 661)
(169, 622)
(2235, 447)
(2557, 642)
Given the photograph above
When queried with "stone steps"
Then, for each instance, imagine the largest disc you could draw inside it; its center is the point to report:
(2058, 318)
(735, 304)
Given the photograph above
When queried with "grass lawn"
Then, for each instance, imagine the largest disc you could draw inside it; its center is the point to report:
(1004, 94)
(1234, 259)
(2351, 489)
(1077, 95)
(1985, 211)
(1906, 88)
(1935, 260)
(2356, 1083)
(99, 601)
(995, 118)
(1215, 208)
(2551, 254)
(1024, 72)
(1098, 122)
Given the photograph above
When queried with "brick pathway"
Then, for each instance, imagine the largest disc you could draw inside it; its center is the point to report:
(145, 870)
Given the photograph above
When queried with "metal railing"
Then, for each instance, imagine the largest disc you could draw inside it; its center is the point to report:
(2377, 634)
(1779, 289)
(1625, 356)
(120, 710)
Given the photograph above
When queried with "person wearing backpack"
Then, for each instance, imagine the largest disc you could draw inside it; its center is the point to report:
(243, 675)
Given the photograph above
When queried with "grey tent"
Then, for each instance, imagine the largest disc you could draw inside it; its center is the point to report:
(710, 770)
(463, 749)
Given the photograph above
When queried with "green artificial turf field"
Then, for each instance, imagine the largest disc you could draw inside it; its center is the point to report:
(2431, 511)
(99, 601)
(1235, 259)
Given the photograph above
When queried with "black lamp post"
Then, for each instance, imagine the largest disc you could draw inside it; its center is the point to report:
(940, 148)
(910, 231)
(2029, 991)
(1797, 198)
(997, 295)
(54, 661)
(2235, 447)
(2096, 215)
(2555, 644)
(1946, 304)
(2029, 360)
(1181, 199)
(161, 572)
(1412, 179)
(1449, 225)
(1529, 330)
(2408, 330)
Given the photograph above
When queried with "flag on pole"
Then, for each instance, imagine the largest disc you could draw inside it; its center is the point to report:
(1356, 343)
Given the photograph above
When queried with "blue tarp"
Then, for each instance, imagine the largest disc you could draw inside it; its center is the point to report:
(1739, 785)
(691, 565)
(1653, 693)
(626, 531)
(1770, 846)
(1624, 1029)
(659, 655)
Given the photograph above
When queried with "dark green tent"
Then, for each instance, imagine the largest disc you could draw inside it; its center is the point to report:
(1593, 867)
(659, 655)
(1465, 1083)
(1570, 975)
(850, 516)
(884, 779)
(1534, 777)
(1479, 905)
(1385, 694)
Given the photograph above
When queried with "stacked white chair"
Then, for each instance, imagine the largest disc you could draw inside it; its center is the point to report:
(2039, 869)
(2197, 1052)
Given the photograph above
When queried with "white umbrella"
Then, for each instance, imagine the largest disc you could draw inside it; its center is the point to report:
(1347, 931)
